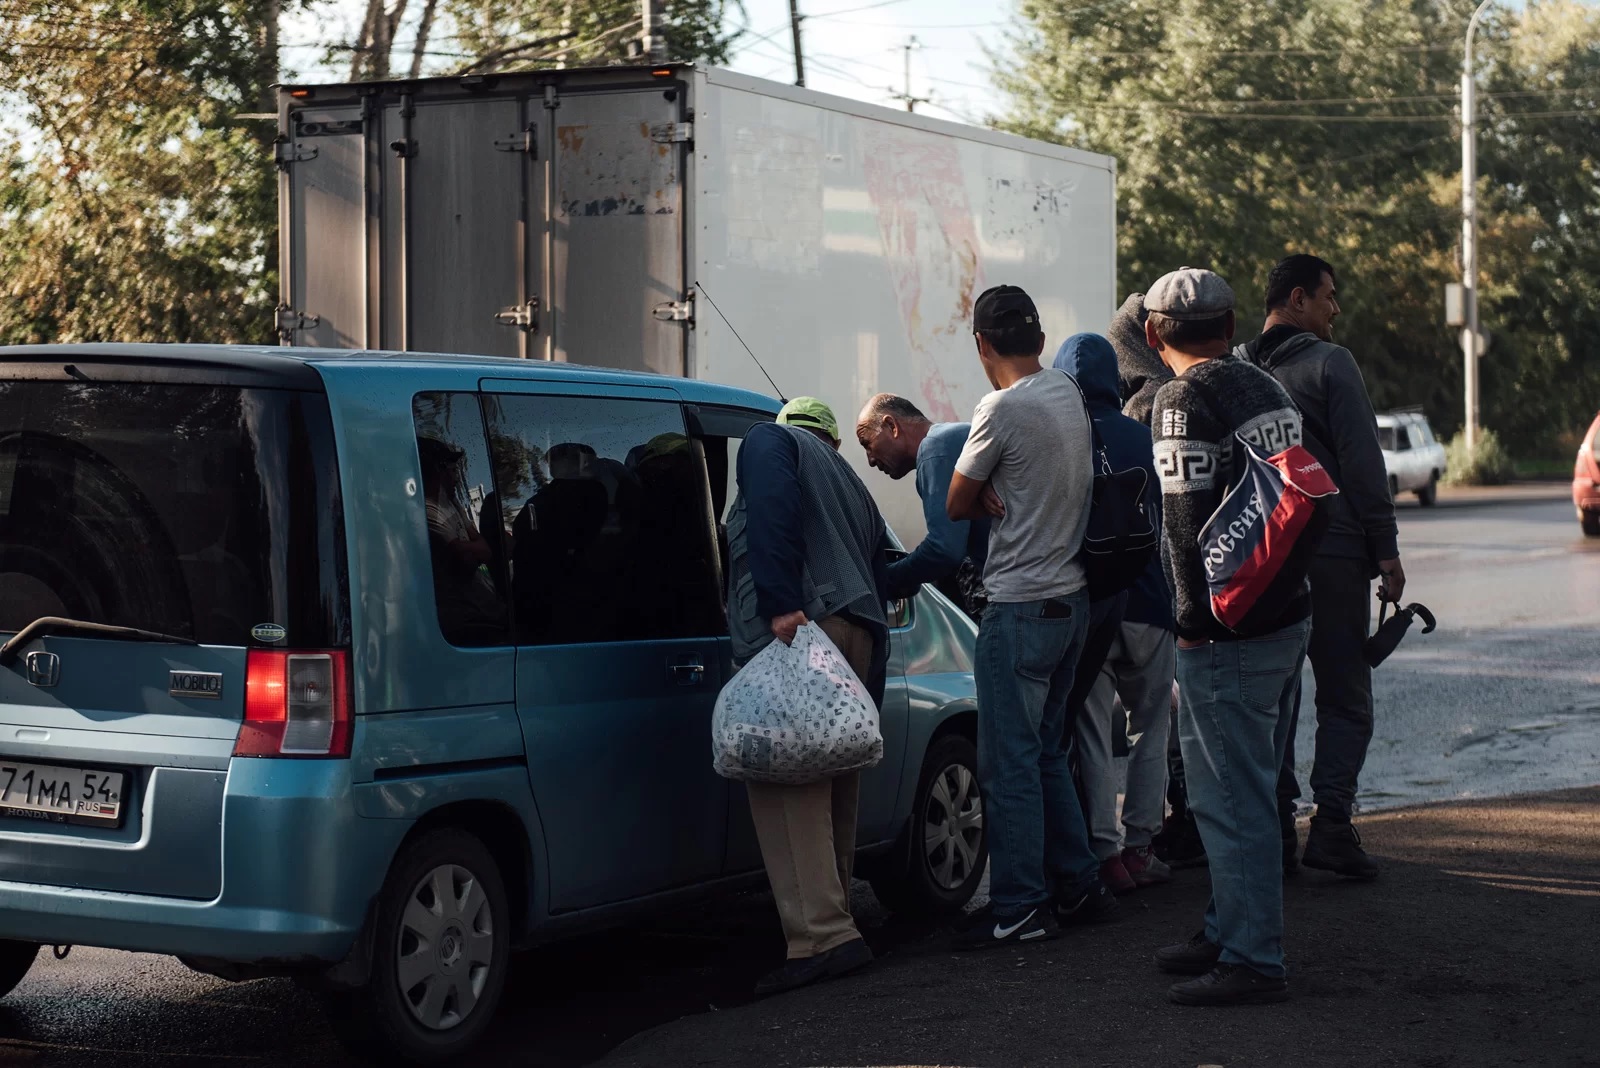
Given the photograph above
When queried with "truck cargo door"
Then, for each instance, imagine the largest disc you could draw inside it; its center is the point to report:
(617, 230)
(455, 202)
(324, 258)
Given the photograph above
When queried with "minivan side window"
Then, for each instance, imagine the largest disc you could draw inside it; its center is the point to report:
(607, 514)
(465, 550)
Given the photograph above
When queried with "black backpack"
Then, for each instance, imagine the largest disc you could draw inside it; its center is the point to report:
(1121, 537)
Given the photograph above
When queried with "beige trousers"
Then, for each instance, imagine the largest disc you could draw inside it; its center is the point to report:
(808, 834)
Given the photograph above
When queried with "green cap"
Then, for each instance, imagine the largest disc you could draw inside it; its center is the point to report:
(812, 414)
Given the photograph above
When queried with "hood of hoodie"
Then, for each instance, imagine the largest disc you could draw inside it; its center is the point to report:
(1138, 365)
(1277, 345)
(1093, 362)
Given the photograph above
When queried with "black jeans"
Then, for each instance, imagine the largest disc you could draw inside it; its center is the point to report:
(1341, 618)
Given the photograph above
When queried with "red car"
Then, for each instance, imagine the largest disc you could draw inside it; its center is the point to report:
(1586, 481)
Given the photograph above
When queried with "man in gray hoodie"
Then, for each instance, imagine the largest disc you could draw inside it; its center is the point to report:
(1296, 346)
(1140, 374)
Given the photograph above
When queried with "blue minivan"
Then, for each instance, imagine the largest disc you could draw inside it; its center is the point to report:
(371, 668)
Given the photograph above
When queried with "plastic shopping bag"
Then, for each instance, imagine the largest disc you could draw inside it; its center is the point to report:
(795, 714)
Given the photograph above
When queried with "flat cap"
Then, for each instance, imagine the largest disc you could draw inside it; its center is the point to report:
(1189, 293)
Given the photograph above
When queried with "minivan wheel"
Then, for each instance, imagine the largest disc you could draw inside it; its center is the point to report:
(1429, 494)
(1590, 522)
(943, 850)
(441, 949)
(15, 960)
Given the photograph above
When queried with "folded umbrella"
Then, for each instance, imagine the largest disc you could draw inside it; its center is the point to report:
(1387, 637)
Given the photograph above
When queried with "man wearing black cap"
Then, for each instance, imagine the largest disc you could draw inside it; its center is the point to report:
(1237, 693)
(1027, 455)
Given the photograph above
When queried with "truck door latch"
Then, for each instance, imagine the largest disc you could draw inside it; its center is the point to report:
(672, 133)
(524, 141)
(523, 316)
(675, 311)
(288, 321)
(285, 152)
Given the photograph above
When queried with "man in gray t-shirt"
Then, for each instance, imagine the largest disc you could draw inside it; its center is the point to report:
(1023, 442)
(1027, 463)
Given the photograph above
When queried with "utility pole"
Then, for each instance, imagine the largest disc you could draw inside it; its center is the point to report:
(1469, 231)
(651, 40)
(799, 55)
(910, 101)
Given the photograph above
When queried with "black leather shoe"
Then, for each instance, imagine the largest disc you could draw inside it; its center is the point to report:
(803, 971)
(1334, 845)
(1096, 905)
(1230, 984)
(1194, 957)
(1178, 843)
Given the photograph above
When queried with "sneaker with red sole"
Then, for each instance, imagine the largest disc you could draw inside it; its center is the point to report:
(1116, 876)
(1144, 868)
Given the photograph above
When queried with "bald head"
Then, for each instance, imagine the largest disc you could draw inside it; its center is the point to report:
(890, 429)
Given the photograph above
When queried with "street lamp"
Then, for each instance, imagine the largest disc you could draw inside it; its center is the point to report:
(1469, 229)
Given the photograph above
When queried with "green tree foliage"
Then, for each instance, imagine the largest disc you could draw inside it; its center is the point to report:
(1250, 129)
(489, 35)
(133, 204)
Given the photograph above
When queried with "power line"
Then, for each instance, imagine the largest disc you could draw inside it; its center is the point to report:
(921, 27)
(864, 7)
(1262, 52)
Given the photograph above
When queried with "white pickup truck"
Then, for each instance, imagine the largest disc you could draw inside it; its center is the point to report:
(1413, 456)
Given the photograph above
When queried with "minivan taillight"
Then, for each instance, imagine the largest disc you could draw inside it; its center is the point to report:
(296, 704)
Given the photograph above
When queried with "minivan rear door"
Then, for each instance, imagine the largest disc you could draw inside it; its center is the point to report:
(172, 500)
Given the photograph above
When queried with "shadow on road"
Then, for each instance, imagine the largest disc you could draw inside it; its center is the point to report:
(1474, 950)
(565, 1005)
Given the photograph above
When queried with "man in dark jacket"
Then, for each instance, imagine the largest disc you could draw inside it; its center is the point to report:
(1136, 662)
(807, 543)
(1296, 347)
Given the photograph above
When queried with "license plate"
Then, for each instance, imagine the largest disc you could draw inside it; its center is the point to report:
(60, 795)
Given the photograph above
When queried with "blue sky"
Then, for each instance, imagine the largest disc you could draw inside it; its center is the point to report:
(854, 48)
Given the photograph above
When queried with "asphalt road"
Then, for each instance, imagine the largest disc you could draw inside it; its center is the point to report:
(1503, 698)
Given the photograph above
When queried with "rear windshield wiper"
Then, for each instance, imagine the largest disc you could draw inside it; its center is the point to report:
(82, 627)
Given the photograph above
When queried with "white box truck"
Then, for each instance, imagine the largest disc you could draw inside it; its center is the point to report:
(648, 218)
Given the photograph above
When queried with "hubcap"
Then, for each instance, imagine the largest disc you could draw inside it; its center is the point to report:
(446, 945)
(953, 826)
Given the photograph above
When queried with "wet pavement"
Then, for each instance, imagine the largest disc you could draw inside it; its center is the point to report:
(1503, 698)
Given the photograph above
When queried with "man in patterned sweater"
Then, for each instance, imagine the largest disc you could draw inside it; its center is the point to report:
(1237, 692)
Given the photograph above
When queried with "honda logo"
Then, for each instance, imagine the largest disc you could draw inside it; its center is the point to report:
(44, 669)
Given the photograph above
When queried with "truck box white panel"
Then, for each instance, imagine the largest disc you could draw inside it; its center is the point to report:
(846, 244)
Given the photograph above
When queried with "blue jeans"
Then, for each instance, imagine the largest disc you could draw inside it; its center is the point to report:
(1236, 710)
(1038, 840)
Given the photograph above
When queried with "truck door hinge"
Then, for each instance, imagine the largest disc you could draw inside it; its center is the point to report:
(523, 316)
(285, 152)
(288, 321)
(525, 141)
(672, 133)
(675, 311)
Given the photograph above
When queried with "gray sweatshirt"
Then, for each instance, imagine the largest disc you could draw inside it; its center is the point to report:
(1340, 430)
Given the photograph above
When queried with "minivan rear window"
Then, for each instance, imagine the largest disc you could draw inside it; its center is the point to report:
(204, 511)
